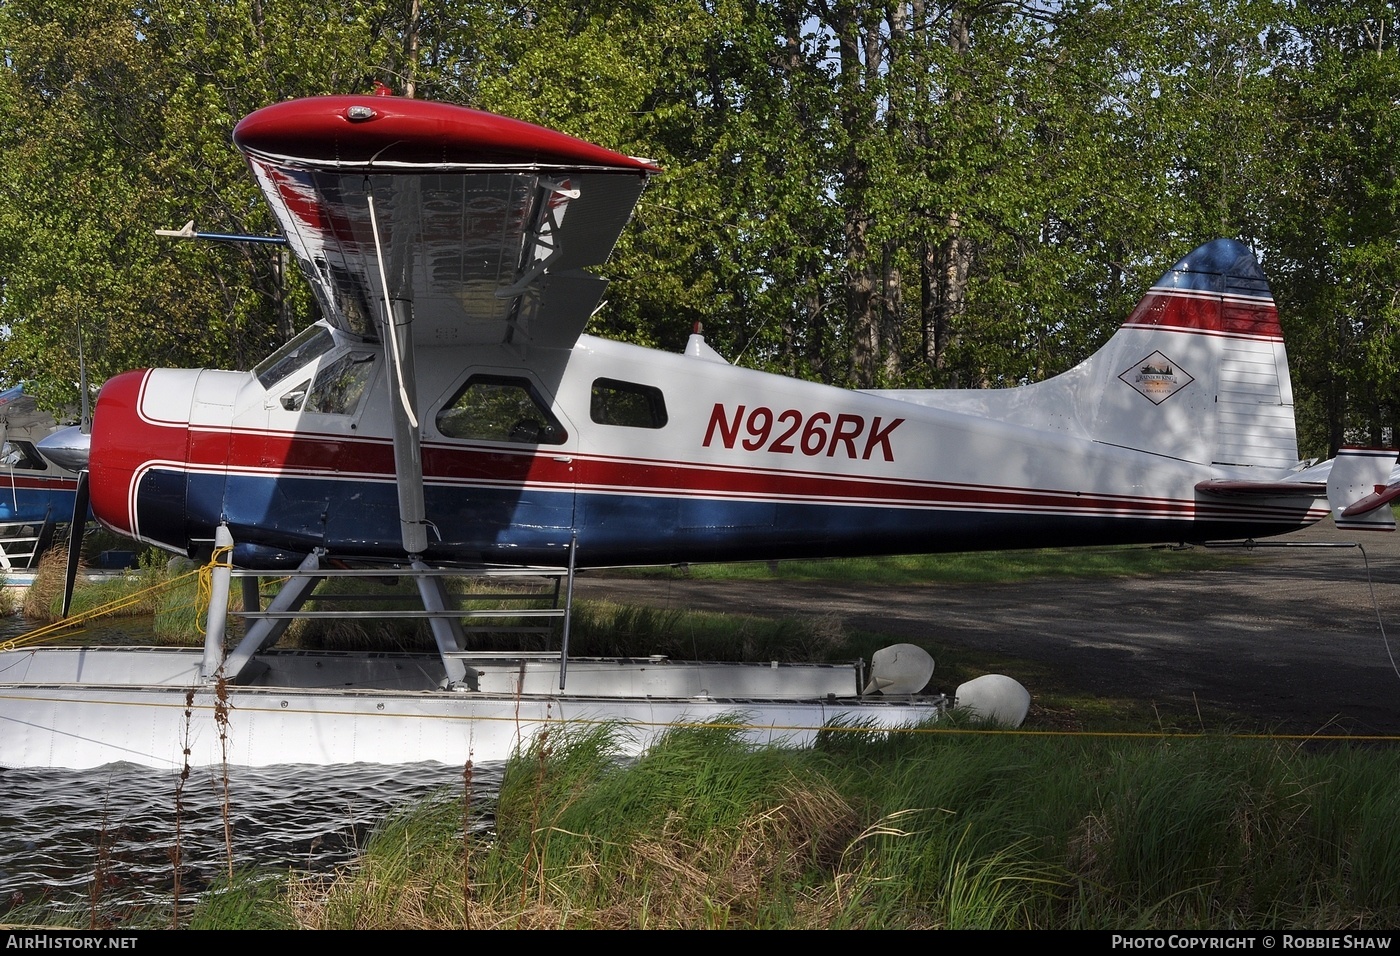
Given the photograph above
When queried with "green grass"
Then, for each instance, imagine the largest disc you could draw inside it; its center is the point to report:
(132, 594)
(250, 900)
(939, 830)
(975, 567)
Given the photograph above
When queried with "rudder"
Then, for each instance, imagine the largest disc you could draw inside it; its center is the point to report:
(1201, 367)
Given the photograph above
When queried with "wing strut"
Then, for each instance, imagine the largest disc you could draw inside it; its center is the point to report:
(397, 333)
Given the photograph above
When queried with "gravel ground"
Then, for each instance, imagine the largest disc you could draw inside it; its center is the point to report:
(1298, 638)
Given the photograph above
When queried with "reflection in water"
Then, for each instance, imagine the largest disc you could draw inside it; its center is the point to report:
(60, 830)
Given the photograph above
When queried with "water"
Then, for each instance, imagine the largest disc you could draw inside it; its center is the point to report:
(61, 831)
(112, 630)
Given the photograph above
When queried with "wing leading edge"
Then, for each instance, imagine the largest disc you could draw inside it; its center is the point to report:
(485, 224)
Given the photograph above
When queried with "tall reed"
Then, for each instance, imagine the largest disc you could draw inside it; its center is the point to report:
(920, 831)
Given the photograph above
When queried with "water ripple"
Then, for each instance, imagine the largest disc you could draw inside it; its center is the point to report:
(62, 830)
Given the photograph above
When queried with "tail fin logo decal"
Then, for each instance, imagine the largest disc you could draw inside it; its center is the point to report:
(1157, 377)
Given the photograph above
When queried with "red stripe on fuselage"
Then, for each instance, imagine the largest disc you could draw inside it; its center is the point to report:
(313, 454)
(1231, 316)
(280, 454)
(28, 481)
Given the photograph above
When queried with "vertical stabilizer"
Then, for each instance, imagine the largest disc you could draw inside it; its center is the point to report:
(1197, 373)
(1200, 365)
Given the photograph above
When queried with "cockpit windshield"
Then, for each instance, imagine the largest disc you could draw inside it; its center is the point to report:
(298, 352)
(21, 454)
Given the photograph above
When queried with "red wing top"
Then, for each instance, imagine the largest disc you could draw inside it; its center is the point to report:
(373, 132)
(486, 224)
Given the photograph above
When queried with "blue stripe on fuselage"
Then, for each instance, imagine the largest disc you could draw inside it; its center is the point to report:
(34, 505)
(276, 519)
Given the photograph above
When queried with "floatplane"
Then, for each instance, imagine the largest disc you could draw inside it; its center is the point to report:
(36, 494)
(449, 414)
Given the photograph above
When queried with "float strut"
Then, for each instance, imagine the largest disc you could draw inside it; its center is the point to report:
(221, 565)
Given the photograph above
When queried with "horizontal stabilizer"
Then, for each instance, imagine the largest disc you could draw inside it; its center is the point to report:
(1223, 488)
(1383, 495)
(1357, 488)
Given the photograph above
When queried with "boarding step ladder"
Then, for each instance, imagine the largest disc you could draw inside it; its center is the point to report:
(22, 543)
(525, 601)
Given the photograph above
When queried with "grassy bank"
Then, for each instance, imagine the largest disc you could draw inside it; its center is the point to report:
(919, 831)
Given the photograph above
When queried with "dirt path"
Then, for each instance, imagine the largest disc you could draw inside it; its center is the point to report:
(1289, 641)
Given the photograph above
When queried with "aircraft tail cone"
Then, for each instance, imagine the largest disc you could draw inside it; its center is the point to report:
(899, 669)
(994, 699)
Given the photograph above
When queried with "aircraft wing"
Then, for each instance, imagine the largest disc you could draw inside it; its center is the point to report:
(485, 224)
(19, 412)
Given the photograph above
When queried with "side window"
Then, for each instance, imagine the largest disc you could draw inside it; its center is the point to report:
(500, 408)
(627, 403)
(340, 384)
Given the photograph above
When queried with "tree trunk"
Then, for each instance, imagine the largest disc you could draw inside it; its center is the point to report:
(947, 264)
(853, 38)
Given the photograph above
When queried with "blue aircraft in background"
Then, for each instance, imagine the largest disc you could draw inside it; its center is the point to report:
(36, 494)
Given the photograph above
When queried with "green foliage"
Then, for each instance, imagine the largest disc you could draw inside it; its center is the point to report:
(249, 901)
(420, 845)
(1331, 224)
(865, 194)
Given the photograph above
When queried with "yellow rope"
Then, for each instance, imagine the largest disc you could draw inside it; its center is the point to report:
(199, 604)
(111, 607)
(221, 558)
